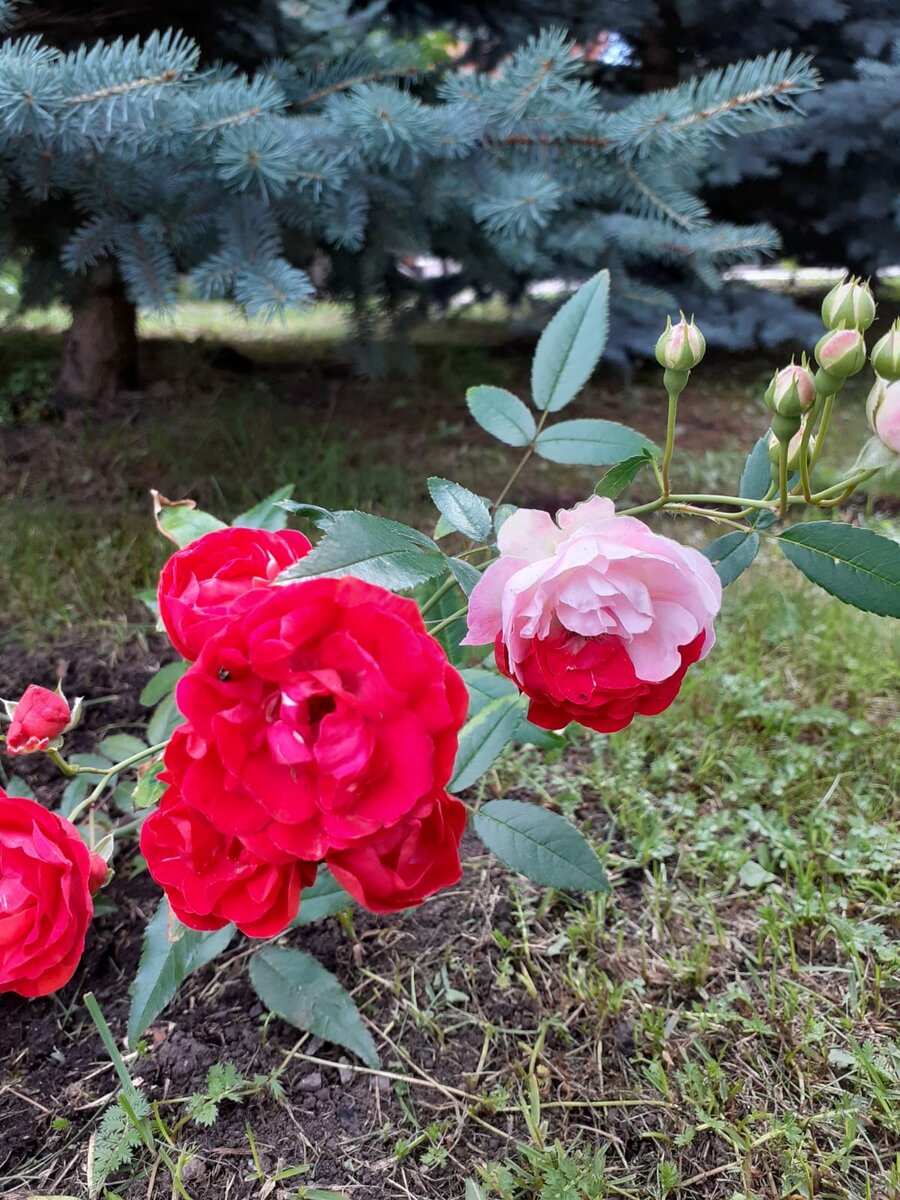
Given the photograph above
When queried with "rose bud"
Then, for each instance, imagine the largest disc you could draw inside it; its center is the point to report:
(47, 879)
(885, 356)
(792, 390)
(793, 458)
(681, 347)
(849, 305)
(883, 412)
(38, 720)
(841, 353)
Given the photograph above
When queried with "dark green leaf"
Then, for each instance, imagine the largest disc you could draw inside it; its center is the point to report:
(496, 710)
(571, 345)
(119, 746)
(166, 718)
(464, 510)
(321, 517)
(591, 442)
(165, 964)
(732, 554)
(325, 898)
(621, 476)
(502, 414)
(162, 683)
(382, 552)
(856, 565)
(541, 845)
(299, 989)
(16, 786)
(465, 574)
(268, 514)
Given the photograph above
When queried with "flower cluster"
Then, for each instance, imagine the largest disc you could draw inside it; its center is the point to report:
(321, 725)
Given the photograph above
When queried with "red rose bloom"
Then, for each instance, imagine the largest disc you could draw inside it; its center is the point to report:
(398, 867)
(40, 717)
(212, 879)
(320, 716)
(202, 585)
(47, 876)
(591, 681)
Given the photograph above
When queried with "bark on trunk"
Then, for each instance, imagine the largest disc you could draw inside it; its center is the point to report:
(100, 355)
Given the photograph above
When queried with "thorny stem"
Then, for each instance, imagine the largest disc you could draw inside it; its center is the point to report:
(460, 612)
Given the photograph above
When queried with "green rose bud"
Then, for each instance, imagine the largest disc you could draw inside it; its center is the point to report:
(841, 352)
(849, 304)
(792, 390)
(681, 347)
(885, 356)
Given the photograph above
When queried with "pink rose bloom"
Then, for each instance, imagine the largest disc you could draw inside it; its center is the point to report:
(594, 616)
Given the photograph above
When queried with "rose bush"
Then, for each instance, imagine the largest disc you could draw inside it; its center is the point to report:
(201, 584)
(47, 879)
(40, 717)
(594, 617)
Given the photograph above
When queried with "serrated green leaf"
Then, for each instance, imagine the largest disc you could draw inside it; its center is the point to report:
(162, 683)
(856, 565)
(166, 718)
(541, 845)
(621, 476)
(325, 898)
(571, 345)
(183, 523)
(465, 574)
(495, 714)
(732, 554)
(148, 789)
(380, 551)
(299, 989)
(119, 746)
(501, 414)
(591, 442)
(484, 685)
(465, 511)
(268, 514)
(165, 964)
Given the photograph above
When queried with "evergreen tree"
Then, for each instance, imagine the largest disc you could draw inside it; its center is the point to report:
(140, 163)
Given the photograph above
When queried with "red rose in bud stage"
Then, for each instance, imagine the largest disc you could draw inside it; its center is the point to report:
(47, 878)
(399, 866)
(202, 586)
(212, 879)
(40, 717)
(322, 715)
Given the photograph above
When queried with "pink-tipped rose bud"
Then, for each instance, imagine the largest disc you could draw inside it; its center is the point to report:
(681, 347)
(39, 718)
(841, 352)
(793, 458)
(885, 356)
(792, 390)
(883, 412)
(849, 304)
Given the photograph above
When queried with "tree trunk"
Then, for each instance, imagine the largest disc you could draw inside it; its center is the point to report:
(100, 354)
(658, 48)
